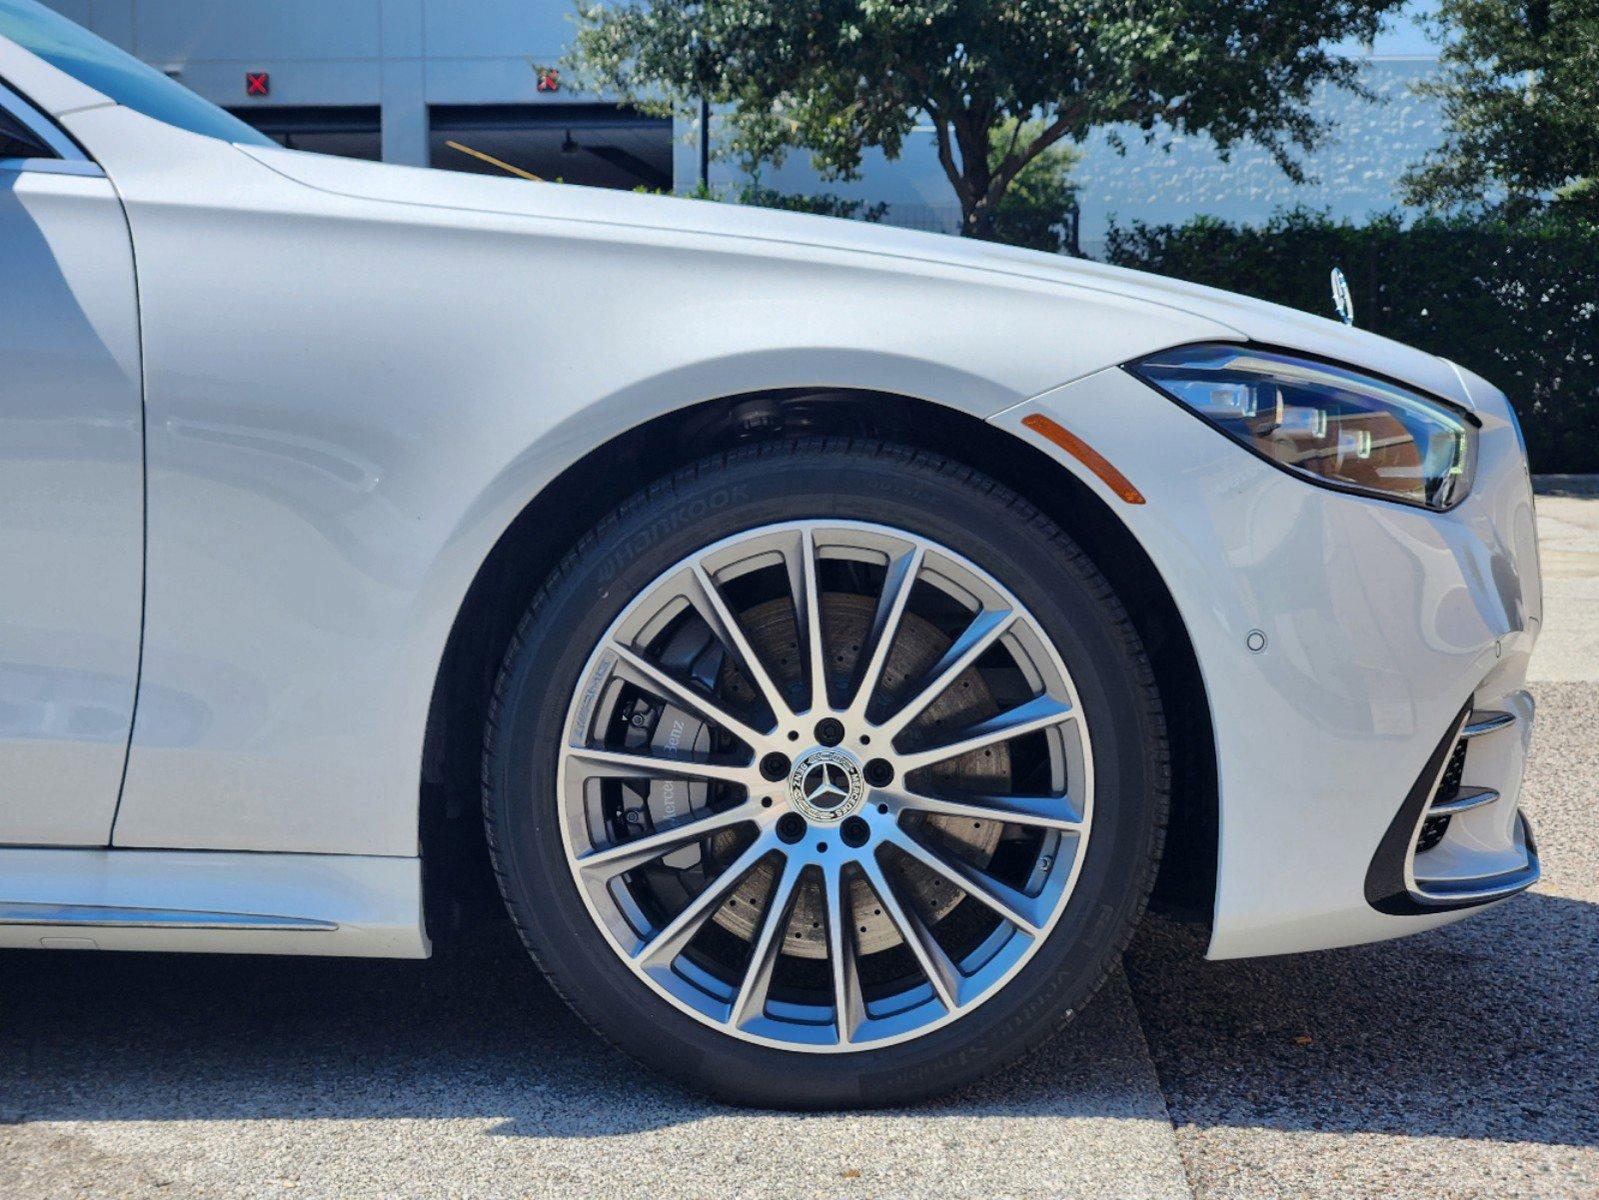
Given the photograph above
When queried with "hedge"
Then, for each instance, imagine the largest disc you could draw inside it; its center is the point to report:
(1517, 301)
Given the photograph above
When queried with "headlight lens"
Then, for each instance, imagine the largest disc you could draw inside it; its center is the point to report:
(1330, 424)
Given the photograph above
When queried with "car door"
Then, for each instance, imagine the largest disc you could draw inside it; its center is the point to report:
(71, 487)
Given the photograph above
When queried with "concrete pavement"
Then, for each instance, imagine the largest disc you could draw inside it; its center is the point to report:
(168, 1076)
(1568, 543)
(1459, 1063)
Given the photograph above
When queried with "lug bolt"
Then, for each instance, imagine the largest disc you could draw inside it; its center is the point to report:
(774, 766)
(854, 831)
(879, 772)
(791, 827)
(829, 732)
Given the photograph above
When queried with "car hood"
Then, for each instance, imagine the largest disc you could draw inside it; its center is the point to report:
(1252, 320)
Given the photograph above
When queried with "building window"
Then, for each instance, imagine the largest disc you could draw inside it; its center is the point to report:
(601, 145)
(350, 131)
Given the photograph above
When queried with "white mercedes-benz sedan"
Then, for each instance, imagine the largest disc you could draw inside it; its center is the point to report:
(828, 638)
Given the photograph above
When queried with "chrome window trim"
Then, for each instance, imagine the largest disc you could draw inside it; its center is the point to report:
(52, 166)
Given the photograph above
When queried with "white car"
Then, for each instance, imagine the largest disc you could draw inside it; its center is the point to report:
(829, 636)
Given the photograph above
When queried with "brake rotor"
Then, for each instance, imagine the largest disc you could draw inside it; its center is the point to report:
(847, 620)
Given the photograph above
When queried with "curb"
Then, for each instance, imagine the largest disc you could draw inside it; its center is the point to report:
(1565, 485)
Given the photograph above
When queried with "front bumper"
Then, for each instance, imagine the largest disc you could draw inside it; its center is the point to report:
(1382, 625)
(1458, 841)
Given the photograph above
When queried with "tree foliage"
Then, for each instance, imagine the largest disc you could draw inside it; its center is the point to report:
(1515, 301)
(825, 204)
(1035, 210)
(1520, 91)
(837, 77)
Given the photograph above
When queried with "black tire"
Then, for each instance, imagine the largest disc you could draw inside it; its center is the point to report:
(870, 481)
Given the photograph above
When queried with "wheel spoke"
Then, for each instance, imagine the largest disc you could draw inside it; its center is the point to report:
(1042, 712)
(806, 591)
(613, 860)
(751, 999)
(921, 695)
(848, 1007)
(940, 970)
(645, 673)
(725, 625)
(1008, 903)
(660, 949)
(985, 629)
(897, 587)
(1044, 812)
(600, 763)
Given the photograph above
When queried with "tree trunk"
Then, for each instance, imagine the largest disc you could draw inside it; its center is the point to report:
(977, 221)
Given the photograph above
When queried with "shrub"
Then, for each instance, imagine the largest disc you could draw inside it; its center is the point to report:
(823, 204)
(1517, 301)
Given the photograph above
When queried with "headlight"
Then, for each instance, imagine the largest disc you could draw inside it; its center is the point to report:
(1330, 424)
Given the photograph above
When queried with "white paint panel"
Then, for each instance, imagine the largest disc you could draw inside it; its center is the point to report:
(71, 506)
(352, 397)
(1381, 621)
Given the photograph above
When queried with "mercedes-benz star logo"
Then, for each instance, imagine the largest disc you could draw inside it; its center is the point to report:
(826, 785)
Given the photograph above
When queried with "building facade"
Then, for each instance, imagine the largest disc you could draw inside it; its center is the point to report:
(399, 80)
(475, 85)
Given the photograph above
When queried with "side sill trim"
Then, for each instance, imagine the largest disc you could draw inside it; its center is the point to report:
(13, 912)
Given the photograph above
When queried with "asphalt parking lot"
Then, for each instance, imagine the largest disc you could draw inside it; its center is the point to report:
(1462, 1062)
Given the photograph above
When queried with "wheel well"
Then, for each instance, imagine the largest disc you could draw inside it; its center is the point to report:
(458, 885)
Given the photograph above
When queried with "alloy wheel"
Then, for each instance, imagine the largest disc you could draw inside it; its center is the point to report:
(825, 785)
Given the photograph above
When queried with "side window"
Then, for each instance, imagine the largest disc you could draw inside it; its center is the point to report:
(18, 141)
(29, 142)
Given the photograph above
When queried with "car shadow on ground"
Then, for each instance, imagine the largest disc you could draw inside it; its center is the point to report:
(1488, 1029)
(1484, 1030)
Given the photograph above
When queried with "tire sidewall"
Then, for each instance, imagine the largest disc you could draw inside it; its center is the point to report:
(956, 508)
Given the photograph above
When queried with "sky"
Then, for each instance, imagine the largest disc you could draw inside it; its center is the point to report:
(1405, 35)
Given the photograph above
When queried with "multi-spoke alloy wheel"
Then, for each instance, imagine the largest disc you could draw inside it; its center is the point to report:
(824, 784)
(820, 780)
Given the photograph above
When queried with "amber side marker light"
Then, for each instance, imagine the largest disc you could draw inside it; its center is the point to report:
(1085, 454)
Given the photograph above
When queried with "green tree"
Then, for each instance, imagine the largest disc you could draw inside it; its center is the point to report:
(1520, 90)
(1035, 208)
(1001, 81)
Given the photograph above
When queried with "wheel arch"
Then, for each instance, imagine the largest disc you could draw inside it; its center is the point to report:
(458, 886)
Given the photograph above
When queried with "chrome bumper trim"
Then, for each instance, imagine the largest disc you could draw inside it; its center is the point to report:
(1463, 800)
(1485, 889)
(1486, 721)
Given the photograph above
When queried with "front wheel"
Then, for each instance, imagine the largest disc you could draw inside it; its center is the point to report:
(826, 775)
